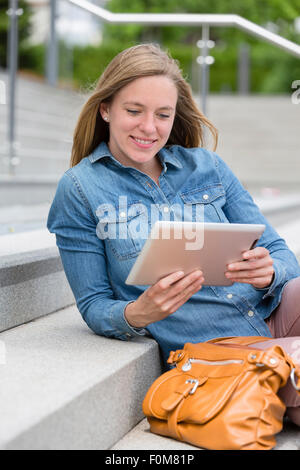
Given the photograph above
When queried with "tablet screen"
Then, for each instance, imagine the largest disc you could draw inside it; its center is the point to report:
(186, 246)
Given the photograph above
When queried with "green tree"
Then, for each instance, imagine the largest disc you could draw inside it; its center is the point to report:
(259, 11)
(24, 28)
(266, 60)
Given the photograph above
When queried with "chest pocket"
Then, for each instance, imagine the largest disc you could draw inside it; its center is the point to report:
(208, 203)
(123, 230)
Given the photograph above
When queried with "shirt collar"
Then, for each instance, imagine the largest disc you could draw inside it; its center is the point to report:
(103, 151)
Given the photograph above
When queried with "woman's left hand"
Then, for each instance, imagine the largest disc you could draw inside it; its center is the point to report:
(256, 268)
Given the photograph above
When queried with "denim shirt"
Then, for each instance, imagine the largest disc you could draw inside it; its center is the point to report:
(100, 195)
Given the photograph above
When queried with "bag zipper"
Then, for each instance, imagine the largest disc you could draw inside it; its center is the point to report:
(188, 365)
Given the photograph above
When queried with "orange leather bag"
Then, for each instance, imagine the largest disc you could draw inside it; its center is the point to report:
(222, 394)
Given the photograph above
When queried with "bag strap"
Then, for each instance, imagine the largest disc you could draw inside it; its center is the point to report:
(175, 401)
(281, 362)
(241, 340)
(295, 373)
(175, 356)
(276, 359)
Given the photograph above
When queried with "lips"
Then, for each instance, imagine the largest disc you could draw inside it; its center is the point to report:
(143, 143)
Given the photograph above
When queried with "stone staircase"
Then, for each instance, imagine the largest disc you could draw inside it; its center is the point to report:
(45, 119)
(63, 387)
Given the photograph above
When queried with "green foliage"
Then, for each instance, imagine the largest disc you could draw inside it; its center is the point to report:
(254, 10)
(90, 61)
(32, 57)
(272, 70)
(259, 11)
(23, 28)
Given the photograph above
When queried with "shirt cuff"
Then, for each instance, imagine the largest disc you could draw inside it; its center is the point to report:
(118, 320)
(278, 281)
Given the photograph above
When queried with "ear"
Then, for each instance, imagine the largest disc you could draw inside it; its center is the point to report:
(104, 110)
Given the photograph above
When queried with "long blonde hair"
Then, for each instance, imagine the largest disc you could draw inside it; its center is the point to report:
(130, 64)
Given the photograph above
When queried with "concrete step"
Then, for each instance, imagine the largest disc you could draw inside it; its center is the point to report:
(140, 438)
(45, 118)
(34, 162)
(20, 218)
(32, 280)
(63, 387)
(42, 98)
(27, 189)
(32, 284)
(31, 137)
(28, 120)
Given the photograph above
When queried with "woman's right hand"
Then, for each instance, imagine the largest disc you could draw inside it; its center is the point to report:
(163, 298)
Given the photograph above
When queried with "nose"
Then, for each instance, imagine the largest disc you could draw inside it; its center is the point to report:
(147, 124)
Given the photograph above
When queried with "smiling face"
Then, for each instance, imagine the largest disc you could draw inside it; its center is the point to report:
(140, 118)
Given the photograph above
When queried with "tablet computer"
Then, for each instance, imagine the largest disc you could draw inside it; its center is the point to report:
(186, 246)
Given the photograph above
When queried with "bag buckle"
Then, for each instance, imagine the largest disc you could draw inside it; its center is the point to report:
(192, 381)
(293, 379)
(175, 356)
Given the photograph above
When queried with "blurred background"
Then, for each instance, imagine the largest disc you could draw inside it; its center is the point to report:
(62, 49)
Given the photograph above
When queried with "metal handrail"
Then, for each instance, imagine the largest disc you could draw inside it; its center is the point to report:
(190, 19)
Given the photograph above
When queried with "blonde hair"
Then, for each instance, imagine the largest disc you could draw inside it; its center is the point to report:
(130, 64)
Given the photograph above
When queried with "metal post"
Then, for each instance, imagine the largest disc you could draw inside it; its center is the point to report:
(205, 68)
(205, 60)
(52, 67)
(13, 12)
(244, 69)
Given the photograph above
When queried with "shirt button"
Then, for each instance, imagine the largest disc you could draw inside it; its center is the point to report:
(229, 296)
(166, 209)
(205, 196)
(250, 313)
(122, 214)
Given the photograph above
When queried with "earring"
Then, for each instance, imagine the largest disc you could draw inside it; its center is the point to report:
(106, 118)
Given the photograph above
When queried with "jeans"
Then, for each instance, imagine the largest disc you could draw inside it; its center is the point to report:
(284, 324)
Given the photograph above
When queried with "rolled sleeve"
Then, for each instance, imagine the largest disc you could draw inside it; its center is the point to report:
(280, 277)
(117, 315)
(84, 261)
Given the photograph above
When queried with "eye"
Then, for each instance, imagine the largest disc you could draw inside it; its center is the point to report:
(164, 116)
(132, 111)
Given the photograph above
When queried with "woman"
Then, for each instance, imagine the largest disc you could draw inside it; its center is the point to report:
(139, 143)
